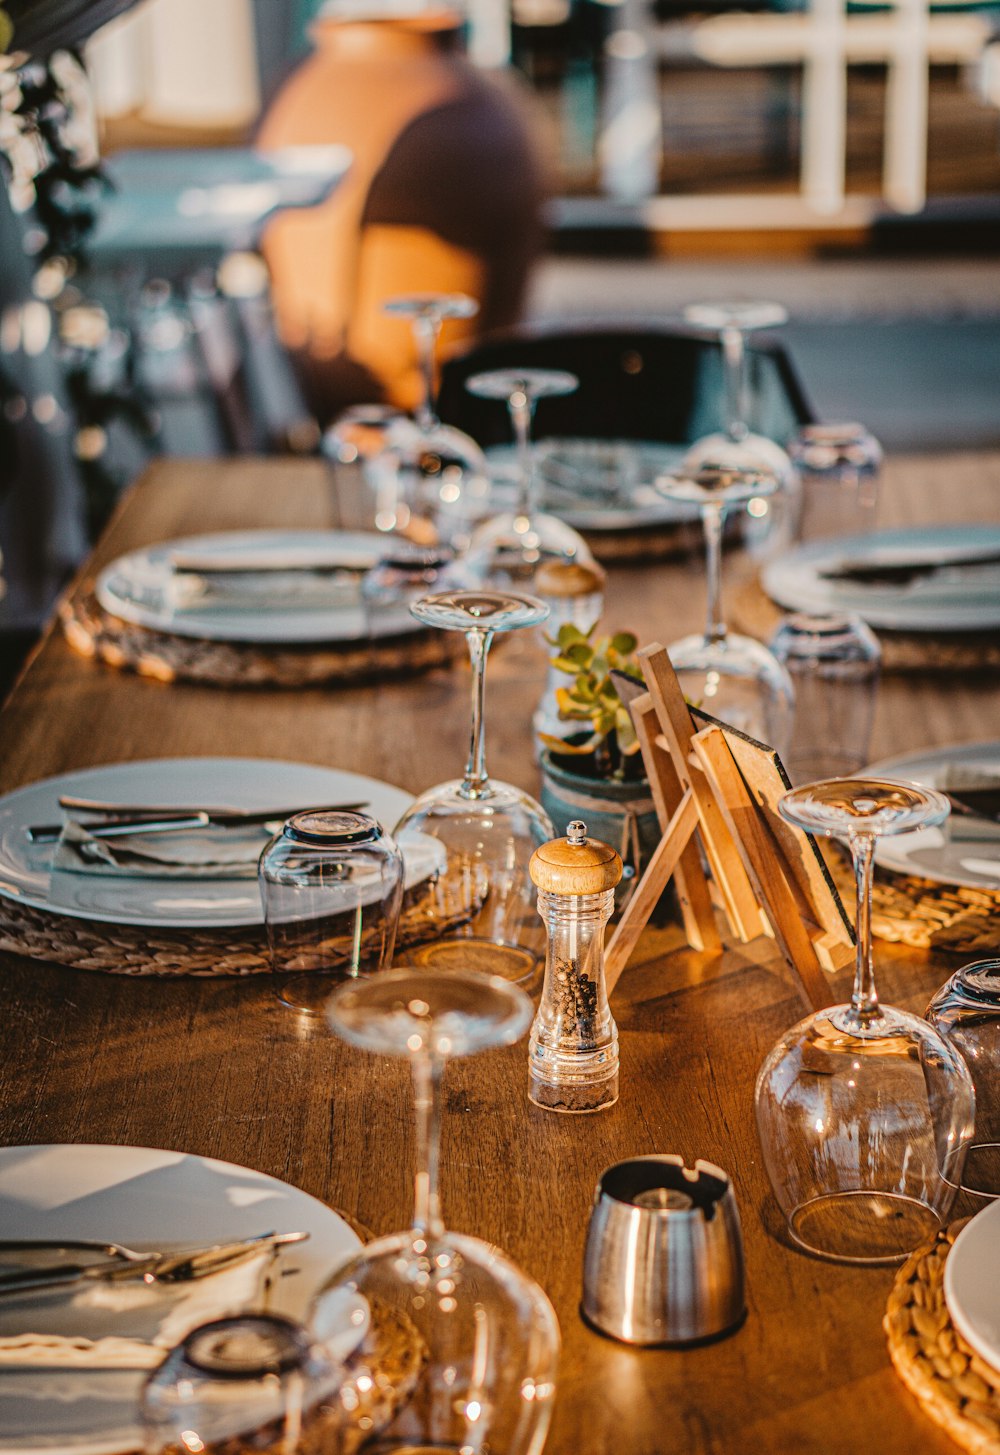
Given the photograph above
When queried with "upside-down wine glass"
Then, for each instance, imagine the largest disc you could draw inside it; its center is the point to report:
(508, 548)
(772, 521)
(437, 473)
(478, 905)
(481, 1341)
(864, 1111)
(733, 677)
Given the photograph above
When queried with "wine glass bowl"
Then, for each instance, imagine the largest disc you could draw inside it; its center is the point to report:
(772, 520)
(507, 549)
(439, 474)
(966, 1012)
(253, 1382)
(732, 677)
(481, 833)
(864, 1111)
(473, 1342)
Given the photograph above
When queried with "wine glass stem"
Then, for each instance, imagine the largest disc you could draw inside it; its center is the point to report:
(476, 783)
(522, 409)
(734, 354)
(713, 519)
(865, 996)
(427, 1070)
(426, 331)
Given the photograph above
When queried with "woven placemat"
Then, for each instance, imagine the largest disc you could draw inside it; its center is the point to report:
(95, 633)
(84, 944)
(921, 912)
(955, 1387)
(752, 611)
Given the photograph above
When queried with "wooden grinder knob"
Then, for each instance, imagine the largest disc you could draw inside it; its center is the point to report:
(575, 864)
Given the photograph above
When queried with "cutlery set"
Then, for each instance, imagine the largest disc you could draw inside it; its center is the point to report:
(182, 1265)
(119, 820)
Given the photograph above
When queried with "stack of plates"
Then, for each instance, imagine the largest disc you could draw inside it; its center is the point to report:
(142, 1199)
(250, 586)
(935, 579)
(27, 877)
(955, 853)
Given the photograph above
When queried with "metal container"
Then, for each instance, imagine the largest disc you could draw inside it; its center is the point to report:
(664, 1256)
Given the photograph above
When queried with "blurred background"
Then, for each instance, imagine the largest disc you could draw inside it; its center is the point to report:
(840, 158)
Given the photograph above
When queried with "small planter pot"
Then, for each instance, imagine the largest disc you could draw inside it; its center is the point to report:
(621, 814)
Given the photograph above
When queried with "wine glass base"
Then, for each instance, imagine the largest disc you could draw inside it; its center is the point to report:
(862, 1227)
(510, 962)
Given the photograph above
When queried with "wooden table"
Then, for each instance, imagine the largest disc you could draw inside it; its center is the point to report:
(215, 1067)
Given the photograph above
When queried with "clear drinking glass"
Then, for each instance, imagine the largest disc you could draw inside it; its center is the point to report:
(838, 467)
(331, 884)
(864, 1111)
(485, 1335)
(772, 521)
(257, 1382)
(508, 549)
(478, 904)
(440, 473)
(966, 1012)
(735, 678)
(404, 574)
(834, 663)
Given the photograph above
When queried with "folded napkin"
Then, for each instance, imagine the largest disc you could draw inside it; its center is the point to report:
(120, 1325)
(294, 590)
(213, 852)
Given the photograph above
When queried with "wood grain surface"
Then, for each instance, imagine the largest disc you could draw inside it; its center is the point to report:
(219, 1069)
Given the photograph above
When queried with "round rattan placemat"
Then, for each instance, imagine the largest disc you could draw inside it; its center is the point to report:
(923, 913)
(84, 944)
(753, 612)
(94, 632)
(955, 1387)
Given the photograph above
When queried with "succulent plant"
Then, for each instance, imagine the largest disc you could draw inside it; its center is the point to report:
(594, 698)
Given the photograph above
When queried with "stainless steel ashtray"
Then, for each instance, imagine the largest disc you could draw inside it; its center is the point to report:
(664, 1256)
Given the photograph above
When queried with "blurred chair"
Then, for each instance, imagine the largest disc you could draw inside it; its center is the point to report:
(656, 383)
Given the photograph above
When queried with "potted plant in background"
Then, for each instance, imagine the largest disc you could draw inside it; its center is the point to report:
(597, 773)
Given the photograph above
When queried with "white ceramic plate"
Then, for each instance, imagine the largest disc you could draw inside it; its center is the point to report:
(136, 587)
(143, 1199)
(966, 599)
(26, 875)
(936, 853)
(597, 485)
(972, 1284)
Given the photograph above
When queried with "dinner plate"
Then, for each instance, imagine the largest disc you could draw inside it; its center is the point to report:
(27, 877)
(937, 853)
(972, 1284)
(141, 1198)
(597, 485)
(137, 588)
(951, 599)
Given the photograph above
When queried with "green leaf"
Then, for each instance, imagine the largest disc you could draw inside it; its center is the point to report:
(570, 635)
(624, 643)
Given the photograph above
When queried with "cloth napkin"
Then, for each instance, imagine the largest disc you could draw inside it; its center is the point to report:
(205, 853)
(295, 590)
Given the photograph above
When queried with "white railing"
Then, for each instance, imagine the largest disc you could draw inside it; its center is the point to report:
(824, 40)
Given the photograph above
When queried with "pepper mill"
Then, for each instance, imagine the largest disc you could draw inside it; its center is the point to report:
(573, 1046)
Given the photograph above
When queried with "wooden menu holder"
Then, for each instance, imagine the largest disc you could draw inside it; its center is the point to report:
(714, 784)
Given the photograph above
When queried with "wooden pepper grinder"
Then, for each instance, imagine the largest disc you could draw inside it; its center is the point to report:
(573, 1046)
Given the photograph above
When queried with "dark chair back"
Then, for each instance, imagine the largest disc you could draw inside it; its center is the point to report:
(656, 384)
